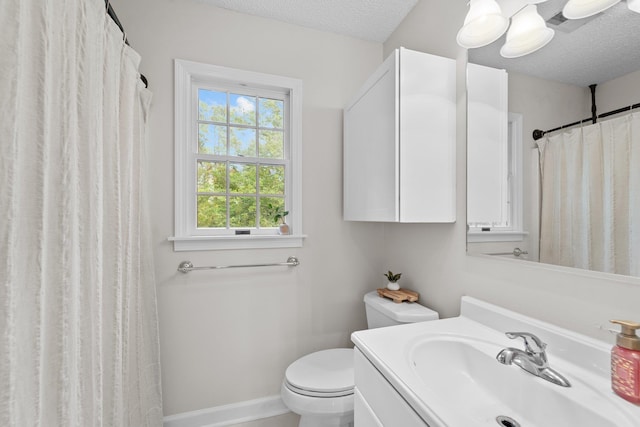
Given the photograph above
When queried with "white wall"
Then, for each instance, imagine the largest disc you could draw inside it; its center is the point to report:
(618, 93)
(433, 257)
(227, 336)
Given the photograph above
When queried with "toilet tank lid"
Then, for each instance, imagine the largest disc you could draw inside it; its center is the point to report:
(405, 312)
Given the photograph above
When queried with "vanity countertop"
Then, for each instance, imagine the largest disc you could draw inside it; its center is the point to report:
(447, 372)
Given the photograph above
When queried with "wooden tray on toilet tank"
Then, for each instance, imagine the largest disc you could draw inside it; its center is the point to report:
(399, 296)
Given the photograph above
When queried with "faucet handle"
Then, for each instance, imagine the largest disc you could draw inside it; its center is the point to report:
(532, 343)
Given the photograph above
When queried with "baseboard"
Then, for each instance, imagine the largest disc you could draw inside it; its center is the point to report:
(228, 415)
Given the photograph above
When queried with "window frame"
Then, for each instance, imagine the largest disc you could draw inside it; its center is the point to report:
(189, 76)
(258, 93)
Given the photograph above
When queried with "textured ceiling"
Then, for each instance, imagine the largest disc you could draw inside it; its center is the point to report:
(372, 20)
(602, 48)
(599, 49)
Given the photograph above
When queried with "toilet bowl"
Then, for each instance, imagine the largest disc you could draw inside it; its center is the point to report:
(319, 386)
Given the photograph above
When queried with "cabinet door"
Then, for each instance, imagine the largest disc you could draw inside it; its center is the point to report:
(386, 405)
(362, 412)
(399, 142)
(371, 148)
(427, 137)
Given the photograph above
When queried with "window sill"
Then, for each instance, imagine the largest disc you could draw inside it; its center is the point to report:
(496, 236)
(209, 243)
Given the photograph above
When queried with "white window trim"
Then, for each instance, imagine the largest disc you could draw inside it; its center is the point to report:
(516, 232)
(186, 72)
(496, 236)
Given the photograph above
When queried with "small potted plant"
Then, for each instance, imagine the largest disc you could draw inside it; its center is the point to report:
(393, 280)
(283, 228)
(278, 214)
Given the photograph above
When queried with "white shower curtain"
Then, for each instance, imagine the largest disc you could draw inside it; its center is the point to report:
(590, 214)
(78, 322)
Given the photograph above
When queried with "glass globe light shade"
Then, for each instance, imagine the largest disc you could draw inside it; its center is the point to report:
(483, 24)
(578, 9)
(527, 34)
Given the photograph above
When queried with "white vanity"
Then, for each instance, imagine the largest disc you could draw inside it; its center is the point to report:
(445, 373)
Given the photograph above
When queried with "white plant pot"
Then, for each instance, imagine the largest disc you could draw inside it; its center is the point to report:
(283, 228)
(393, 286)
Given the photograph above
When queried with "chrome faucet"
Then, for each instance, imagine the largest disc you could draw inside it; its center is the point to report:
(533, 359)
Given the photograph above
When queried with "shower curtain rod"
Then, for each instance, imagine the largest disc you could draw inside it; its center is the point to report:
(537, 134)
(114, 17)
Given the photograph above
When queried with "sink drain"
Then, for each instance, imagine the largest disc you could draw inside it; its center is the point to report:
(507, 421)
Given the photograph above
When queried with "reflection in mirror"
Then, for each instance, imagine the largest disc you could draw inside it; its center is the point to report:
(579, 201)
(494, 205)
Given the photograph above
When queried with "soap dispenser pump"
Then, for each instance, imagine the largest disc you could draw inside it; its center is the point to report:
(625, 362)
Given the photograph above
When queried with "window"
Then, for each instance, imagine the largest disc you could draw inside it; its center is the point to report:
(237, 148)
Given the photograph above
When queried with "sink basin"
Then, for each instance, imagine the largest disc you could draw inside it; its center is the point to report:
(467, 375)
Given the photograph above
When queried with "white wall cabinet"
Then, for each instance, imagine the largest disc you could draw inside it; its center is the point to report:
(399, 142)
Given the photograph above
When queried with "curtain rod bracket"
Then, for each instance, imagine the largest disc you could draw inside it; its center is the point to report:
(537, 134)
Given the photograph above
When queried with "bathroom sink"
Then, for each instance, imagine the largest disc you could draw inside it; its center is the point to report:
(467, 375)
(448, 374)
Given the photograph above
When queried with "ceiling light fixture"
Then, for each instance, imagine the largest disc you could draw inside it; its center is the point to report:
(528, 33)
(483, 25)
(486, 22)
(578, 9)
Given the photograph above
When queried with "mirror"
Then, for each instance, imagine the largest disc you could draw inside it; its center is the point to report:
(545, 90)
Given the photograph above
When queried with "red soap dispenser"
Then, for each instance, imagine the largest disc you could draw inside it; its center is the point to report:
(625, 362)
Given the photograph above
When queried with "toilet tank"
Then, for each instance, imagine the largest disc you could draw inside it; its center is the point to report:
(384, 312)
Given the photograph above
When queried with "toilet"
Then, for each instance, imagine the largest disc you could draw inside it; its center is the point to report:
(319, 386)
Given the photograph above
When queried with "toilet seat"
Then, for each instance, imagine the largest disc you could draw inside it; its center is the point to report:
(326, 373)
(313, 393)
